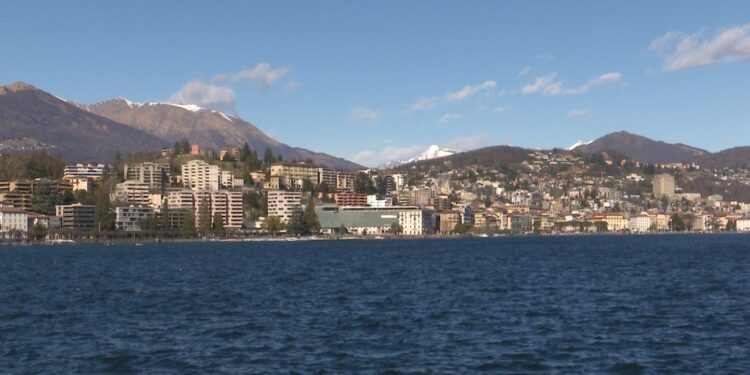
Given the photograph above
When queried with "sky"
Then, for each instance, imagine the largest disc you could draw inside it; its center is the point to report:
(377, 81)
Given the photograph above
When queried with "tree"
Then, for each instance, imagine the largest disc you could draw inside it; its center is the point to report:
(185, 146)
(38, 232)
(297, 225)
(268, 157)
(204, 211)
(678, 224)
(273, 224)
(104, 217)
(396, 228)
(188, 226)
(601, 226)
(461, 229)
(731, 225)
(363, 184)
(308, 186)
(218, 224)
(245, 153)
(311, 218)
(165, 223)
(381, 184)
(148, 224)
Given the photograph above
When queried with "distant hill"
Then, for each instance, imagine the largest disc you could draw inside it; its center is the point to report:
(643, 149)
(33, 119)
(206, 127)
(732, 158)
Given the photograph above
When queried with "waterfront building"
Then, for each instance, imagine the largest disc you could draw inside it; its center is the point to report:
(743, 224)
(370, 220)
(128, 217)
(77, 216)
(640, 223)
(282, 204)
(447, 221)
(377, 201)
(13, 221)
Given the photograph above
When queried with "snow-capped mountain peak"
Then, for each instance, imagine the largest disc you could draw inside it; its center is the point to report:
(432, 152)
(578, 144)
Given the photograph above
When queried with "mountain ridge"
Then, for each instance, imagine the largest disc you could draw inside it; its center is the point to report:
(207, 127)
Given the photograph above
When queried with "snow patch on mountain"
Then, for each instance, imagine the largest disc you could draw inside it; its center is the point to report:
(579, 143)
(432, 152)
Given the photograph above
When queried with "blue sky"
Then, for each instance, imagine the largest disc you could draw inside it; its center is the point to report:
(371, 81)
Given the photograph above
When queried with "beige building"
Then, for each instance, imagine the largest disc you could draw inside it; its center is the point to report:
(282, 204)
(155, 175)
(132, 192)
(663, 185)
(291, 176)
(199, 175)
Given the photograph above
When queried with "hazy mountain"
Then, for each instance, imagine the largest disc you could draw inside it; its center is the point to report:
(732, 158)
(487, 156)
(206, 127)
(643, 149)
(33, 119)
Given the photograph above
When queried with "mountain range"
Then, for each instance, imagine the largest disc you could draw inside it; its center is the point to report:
(34, 119)
(643, 149)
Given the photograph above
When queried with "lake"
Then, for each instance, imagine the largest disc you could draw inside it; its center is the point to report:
(579, 304)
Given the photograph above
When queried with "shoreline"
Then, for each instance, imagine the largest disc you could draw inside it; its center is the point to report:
(138, 242)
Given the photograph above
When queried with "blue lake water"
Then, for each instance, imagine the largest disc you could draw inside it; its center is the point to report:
(619, 304)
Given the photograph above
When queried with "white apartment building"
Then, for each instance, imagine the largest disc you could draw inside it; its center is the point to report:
(127, 218)
(640, 223)
(410, 220)
(228, 204)
(180, 200)
(152, 174)
(373, 201)
(743, 225)
(293, 175)
(199, 175)
(132, 192)
(282, 204)
(13, 219)
(91, 171)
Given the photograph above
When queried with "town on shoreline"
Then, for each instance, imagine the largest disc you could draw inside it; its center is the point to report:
(188, 193)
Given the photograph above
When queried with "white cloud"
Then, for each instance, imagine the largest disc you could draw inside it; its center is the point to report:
(425, 103)
(363, 114)
(583, 112)
(204, 95)
(684, 51)
(547, 85)
(448, 117)
(292, 86)
(376, 158)
(262, 73)
(468, 91)
(524, 71)
(469, 143)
